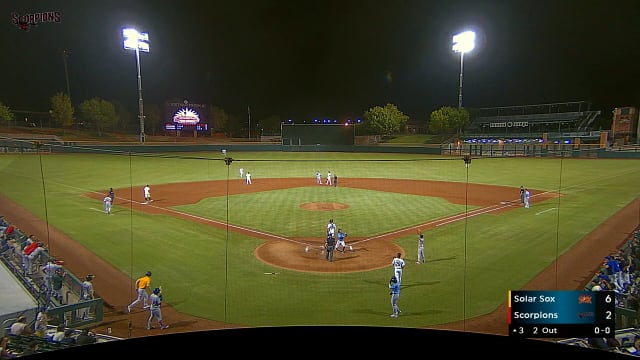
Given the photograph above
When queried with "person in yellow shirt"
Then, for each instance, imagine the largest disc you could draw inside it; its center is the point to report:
(142, 284)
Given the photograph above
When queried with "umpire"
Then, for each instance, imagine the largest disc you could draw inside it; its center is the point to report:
(330, 245)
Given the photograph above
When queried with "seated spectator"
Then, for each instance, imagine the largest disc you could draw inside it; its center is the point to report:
(31, 349)
(9, 232)
(59, 334)
(68, 338)
(5, 353)
(86, 337)
(20, 327)
(598, 343)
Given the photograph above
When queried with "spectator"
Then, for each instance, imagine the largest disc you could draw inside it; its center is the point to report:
(68, 338)
(20, 327)
(5, 353)
(42, 322)
(86, 337)
(59, 334)
(9, 232)
(32, 349)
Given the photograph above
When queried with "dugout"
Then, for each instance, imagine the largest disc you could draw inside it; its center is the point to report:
(313, 135)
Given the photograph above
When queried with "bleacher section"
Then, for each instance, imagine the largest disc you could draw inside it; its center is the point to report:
(626, 314)
(560, 117)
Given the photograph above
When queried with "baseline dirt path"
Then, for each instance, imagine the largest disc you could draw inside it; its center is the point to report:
(576, 266)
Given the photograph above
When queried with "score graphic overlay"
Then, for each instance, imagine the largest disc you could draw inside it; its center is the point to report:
(560, 313)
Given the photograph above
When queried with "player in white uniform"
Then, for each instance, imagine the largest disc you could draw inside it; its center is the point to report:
(147, 193)
(331, 228)
(329, 179)
(420, 248)
(398, 265)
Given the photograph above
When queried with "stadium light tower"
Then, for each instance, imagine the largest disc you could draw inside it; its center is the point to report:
(134, 40)
(462, 43)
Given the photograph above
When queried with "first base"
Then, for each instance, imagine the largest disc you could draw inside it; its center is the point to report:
(306, 249)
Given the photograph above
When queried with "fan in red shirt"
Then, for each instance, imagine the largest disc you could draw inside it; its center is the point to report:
(8, 232)
(29, 248)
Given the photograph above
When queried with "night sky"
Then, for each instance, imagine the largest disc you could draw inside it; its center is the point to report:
(308, 59)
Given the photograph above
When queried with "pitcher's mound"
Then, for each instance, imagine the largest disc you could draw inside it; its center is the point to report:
(324, 206)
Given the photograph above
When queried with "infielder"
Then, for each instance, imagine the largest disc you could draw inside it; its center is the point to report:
(154, 309)
(398, 265)
(107, 204)
(147, 193)
(420, 248)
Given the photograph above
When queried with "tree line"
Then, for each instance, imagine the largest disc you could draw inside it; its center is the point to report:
(102, 116)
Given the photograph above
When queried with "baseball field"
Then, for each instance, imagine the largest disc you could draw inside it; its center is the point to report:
(231, 254)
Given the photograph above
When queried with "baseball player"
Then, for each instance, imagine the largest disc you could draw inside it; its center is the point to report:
(241, 170)
(112, 195)
(329, 178)
(341, 245)
(331, 228)
(318, 177)
(527, 196)
(147, 194)
(154, 309)
(420, 248)
(398, 265)
(394, 291)
(248, 178)
(142, 283)
(87, 293)
(107, 204)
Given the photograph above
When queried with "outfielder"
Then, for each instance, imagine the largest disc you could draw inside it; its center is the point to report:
(154, 309)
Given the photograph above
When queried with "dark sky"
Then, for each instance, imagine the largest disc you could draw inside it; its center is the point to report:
(305, 59)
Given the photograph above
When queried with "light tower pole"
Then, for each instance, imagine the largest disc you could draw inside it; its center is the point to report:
(134, 40)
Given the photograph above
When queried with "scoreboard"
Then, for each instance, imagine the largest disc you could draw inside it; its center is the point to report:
(561, 314)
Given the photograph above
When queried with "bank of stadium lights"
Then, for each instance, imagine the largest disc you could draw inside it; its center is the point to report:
(463, 43)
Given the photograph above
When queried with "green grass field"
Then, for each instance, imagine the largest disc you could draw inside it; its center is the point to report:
(212, 273)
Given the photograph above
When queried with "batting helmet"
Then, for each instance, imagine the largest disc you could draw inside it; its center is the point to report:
(156, 291)
(148, 273)
(394, 279)
(89, 277)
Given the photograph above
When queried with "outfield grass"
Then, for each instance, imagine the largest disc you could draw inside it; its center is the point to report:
(212, 273)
